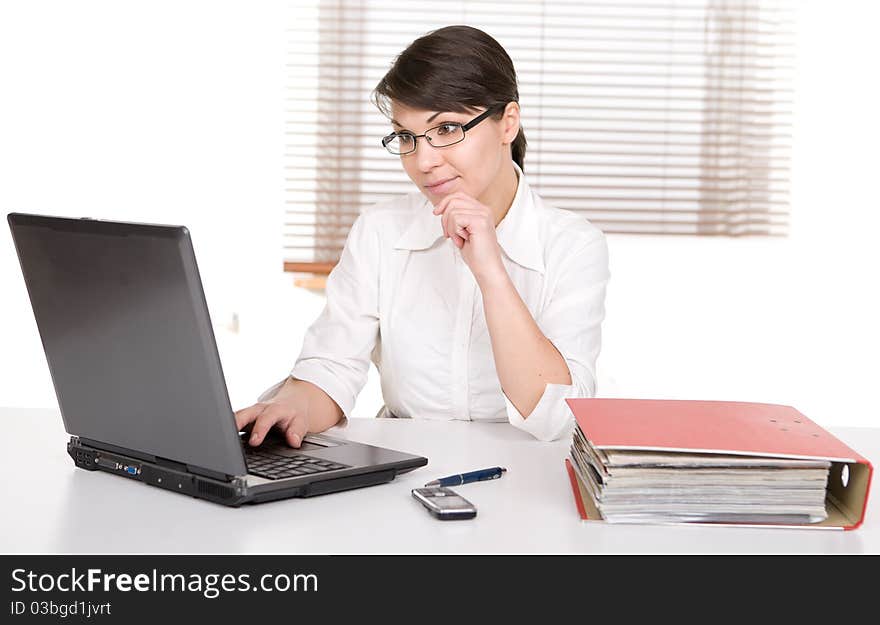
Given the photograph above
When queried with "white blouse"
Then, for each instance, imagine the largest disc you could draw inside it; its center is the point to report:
(402, 297)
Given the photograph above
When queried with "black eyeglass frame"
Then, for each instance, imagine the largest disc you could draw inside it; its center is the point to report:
(464, 127)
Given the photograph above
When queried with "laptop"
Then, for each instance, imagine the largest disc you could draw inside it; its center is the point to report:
(133, 358)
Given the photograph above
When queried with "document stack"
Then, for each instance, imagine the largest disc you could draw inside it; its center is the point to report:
(665, 461)
(657, 487)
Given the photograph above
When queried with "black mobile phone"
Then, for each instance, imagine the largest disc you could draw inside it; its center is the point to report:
(444, 503)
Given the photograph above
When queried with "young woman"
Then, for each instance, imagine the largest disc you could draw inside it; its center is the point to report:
(475, 299)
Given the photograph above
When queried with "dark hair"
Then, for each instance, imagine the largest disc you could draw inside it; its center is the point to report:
(456, 69)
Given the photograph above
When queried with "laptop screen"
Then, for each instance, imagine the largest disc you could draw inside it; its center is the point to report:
(128, 338)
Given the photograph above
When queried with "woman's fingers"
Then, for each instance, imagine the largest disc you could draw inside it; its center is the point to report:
(456, 200)
(274, 413)
(444, 203)
(462, 223)
(296, 431)
(460, 215)
(249, 414)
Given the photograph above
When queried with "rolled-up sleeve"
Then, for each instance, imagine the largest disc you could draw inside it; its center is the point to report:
(572, 321)
(336, 349)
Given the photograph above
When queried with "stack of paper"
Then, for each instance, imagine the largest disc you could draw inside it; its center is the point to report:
(658, 487)
(688, 461)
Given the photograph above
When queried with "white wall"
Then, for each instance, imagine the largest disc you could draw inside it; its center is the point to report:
(792, 321)
(160, 111)
(172, 112)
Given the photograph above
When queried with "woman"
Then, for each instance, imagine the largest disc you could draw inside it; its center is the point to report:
(475, 300)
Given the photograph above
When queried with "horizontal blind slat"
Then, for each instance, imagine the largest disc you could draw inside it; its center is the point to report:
(672, 118)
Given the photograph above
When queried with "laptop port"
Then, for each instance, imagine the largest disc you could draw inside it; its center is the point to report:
(102, 461)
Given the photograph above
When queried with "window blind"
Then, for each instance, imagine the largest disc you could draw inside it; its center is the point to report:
(647, 116)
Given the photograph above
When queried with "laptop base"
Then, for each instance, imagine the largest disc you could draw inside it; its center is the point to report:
(233, 493)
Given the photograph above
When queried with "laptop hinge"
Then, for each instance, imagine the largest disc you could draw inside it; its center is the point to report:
(188, 468)
(214, 475)
(114, 449)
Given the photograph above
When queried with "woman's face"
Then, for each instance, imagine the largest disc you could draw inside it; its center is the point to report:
(473, 166)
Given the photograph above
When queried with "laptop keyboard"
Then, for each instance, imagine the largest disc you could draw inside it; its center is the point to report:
(275, 467)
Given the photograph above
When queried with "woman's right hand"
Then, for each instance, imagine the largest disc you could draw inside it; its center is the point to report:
(287, 410)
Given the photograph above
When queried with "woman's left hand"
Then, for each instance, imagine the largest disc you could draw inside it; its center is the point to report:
(471, 226)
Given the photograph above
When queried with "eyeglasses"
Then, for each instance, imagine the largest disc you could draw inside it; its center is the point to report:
(440, 136)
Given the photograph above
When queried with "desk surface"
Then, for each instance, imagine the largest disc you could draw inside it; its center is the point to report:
(51, 507)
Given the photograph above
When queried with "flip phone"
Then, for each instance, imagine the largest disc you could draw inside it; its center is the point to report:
(444, 503)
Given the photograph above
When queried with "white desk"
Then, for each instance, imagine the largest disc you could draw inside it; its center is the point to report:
(51, 507)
